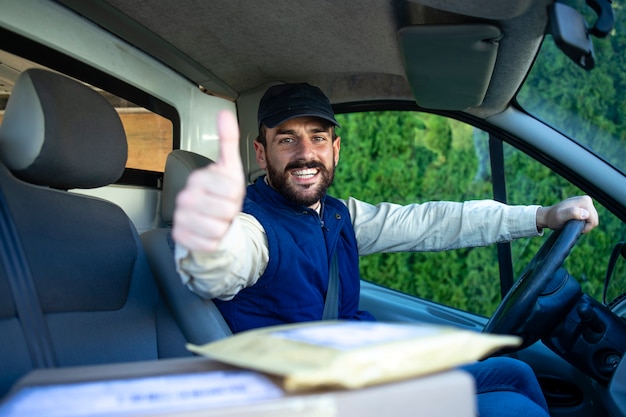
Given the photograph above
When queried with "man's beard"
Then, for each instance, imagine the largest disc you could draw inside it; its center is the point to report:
(280, 182)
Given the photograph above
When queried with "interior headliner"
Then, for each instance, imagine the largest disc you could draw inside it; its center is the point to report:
(231, 47)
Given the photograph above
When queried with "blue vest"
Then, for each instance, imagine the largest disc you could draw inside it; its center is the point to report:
(301, 245)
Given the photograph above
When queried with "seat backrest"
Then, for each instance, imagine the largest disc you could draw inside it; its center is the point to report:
(94, 291)
(199, 319)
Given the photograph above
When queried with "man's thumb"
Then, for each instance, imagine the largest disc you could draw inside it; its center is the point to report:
(228, 131)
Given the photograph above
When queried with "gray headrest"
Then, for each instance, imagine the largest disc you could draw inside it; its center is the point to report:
(178, 166)
(60, 133)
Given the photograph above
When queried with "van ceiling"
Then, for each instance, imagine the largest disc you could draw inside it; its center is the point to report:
(349, 48)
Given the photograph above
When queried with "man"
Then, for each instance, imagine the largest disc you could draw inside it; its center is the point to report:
(269, 264)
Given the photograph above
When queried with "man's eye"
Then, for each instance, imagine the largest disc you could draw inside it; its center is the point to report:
(319, 138)
(286, 140)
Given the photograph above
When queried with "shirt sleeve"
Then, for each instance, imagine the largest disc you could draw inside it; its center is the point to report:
(439, 225)
(238, 262)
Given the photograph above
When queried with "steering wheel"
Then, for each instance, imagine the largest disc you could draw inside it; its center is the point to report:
(515, 315)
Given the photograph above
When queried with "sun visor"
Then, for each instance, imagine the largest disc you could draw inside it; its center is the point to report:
(449, 66)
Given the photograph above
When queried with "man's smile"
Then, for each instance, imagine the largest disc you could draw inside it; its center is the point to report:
(305, 174)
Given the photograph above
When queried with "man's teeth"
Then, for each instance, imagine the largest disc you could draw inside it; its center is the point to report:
(305, 173)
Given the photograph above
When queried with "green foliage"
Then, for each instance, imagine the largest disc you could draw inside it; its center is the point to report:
(407, 157)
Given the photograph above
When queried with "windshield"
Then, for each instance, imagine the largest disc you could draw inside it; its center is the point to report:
(587, 106)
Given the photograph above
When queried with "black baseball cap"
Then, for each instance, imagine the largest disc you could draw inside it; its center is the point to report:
(286, 101)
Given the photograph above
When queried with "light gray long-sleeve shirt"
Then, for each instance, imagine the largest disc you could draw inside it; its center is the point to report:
(243, 254)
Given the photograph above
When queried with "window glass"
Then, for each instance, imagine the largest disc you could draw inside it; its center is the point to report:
(528, 181)
(411, 157)
(149, 138)
(588, 106)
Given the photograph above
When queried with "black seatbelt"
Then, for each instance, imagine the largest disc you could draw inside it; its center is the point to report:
(23, 290)
(505, 258)
(331, 304)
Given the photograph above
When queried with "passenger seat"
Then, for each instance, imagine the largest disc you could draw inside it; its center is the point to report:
(199, 319)
(75, 285)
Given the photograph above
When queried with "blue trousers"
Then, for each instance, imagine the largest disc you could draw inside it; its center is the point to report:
(507, 387)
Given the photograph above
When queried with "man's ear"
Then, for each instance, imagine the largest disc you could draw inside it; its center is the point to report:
(336, 149)
(259, 150)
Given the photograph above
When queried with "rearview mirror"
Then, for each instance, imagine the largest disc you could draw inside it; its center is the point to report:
(571, 35)
(615, 280)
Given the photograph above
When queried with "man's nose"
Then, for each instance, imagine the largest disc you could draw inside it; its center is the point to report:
(305, 149)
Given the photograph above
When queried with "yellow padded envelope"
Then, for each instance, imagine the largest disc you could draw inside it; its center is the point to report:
(352, 354)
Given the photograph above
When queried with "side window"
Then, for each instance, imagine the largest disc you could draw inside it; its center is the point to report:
(529, 181)
(149, 135)
(410, 157)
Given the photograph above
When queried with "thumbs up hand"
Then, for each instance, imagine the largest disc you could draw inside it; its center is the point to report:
(213, 195)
